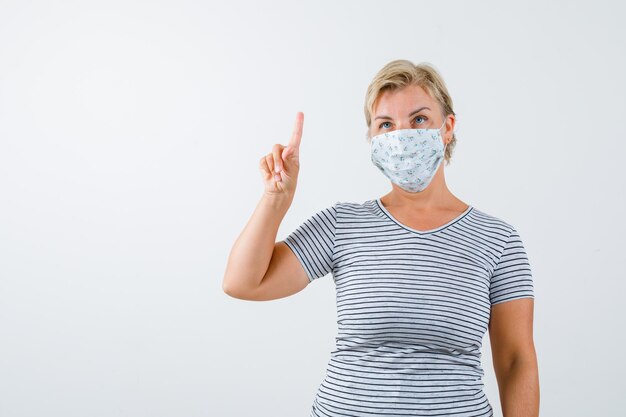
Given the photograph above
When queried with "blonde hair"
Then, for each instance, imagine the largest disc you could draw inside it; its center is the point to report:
(401, 73)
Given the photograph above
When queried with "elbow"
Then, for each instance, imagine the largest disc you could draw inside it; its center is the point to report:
(228, 288)
(229, 283)
(233, 290)
(225, 287)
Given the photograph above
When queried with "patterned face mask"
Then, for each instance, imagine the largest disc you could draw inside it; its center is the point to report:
(409, 157)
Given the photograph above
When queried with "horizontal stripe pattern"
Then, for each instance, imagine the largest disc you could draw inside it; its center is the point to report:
(412, 307)
(313, 242)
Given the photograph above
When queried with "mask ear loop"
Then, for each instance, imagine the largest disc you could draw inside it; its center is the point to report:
(445, 144)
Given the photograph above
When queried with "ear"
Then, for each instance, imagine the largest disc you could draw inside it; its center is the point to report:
(450, 121)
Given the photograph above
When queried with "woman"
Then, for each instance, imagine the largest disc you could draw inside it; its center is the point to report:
(420, 275)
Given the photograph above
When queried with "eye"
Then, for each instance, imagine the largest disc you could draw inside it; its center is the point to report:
(417, 118)
(383, 125)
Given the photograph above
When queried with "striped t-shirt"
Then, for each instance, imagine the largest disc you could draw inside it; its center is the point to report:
(412, 307)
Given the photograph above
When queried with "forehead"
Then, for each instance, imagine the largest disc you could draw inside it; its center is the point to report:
(403, 100)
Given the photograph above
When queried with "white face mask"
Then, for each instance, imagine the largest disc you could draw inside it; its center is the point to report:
(409, 157)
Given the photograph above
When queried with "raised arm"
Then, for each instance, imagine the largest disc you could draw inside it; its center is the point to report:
(258, 267)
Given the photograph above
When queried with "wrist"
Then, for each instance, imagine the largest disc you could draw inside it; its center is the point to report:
(277, 201)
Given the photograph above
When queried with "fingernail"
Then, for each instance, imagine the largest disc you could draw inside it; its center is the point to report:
(277, 169)
(277, 177)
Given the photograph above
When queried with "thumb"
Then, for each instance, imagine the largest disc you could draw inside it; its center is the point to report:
(290, 156)
(290, 153)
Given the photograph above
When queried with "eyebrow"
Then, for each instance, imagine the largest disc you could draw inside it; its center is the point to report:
(410, 114)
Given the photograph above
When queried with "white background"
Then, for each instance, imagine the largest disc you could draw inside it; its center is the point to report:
(130, 135)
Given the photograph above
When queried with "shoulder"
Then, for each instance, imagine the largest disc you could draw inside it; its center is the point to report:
(355, 208)
(491, 232)
(344, 209)
(490, 223)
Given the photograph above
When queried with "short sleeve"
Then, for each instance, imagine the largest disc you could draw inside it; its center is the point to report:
(313, 242)
(512, 277)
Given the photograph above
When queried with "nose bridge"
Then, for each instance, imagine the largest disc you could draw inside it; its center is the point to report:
(403, 124)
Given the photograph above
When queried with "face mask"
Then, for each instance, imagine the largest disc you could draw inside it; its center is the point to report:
(409, 157)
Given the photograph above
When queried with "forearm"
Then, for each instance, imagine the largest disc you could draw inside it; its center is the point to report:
(252, 251)
(519, 389)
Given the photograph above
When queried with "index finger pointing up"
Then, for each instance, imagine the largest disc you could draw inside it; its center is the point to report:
(296, 136)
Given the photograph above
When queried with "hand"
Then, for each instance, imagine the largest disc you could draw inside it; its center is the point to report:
(281, 166)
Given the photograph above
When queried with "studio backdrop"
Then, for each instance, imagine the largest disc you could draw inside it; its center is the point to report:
(130, 135)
